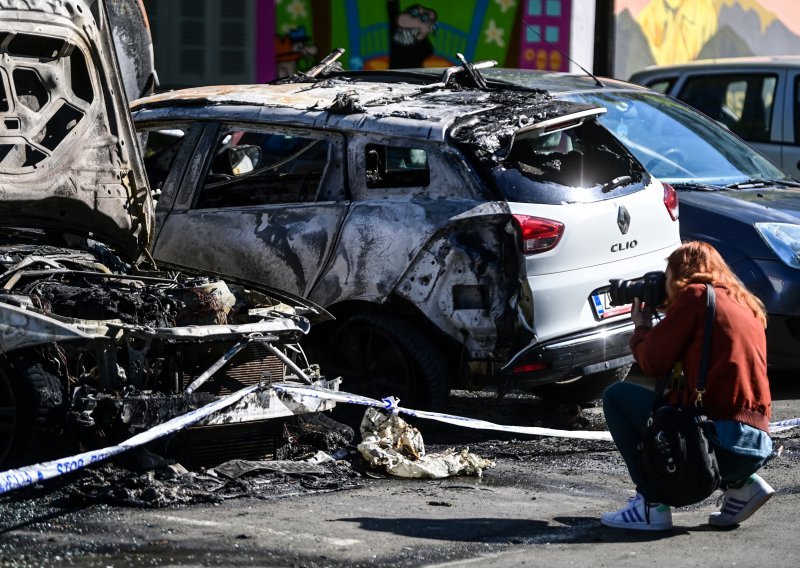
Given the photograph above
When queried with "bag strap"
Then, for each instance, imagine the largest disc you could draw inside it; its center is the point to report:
(711, 310)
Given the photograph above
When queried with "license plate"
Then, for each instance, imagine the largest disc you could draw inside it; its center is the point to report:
(601, 305)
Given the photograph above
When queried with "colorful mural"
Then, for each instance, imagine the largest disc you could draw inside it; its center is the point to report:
(545, 20)
(661, 32)
(295, 49)
(429, 33)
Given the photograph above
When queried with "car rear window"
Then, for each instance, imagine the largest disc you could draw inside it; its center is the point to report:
(582, 164)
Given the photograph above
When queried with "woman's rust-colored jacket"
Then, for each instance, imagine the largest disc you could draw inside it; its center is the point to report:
(737, 387)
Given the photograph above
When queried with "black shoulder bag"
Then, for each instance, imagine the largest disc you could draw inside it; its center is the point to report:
(676, 455)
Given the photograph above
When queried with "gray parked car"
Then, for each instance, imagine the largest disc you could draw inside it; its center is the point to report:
(460, 235)
(96, 344)
(757, 98)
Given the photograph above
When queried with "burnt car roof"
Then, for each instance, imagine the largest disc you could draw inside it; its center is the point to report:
(69, 160)
(404, 106)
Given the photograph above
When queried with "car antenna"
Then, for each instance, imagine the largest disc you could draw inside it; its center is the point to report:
(534, 30)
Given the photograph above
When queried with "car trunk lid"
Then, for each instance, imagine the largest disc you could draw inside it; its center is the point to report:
(69, 162)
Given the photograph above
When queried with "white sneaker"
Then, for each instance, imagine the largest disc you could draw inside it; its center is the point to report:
(739, 504)
(638, 516)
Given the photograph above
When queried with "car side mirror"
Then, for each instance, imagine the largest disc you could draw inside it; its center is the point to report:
(244, 159)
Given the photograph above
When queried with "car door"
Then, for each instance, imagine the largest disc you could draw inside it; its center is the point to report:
(747, 101)
(262, 203)
(790, 150)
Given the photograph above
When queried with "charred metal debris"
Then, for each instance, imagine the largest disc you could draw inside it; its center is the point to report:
(91, 354)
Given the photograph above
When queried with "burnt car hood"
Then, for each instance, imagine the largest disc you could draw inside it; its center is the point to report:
(69, 161)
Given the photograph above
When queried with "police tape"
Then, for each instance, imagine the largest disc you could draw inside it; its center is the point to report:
(783, 425)
(17, 478)
(390, 403)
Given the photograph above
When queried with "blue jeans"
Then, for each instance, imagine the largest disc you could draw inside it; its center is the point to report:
(627, 408)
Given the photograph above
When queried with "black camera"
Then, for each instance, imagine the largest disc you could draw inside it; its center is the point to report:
(650, 288)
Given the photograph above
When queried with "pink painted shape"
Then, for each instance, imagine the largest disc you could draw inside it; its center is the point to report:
(264, 32)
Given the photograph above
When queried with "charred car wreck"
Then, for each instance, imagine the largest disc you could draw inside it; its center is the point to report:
(461, 232)
(95, 343)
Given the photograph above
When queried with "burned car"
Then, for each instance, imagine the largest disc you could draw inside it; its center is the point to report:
(95, 342)
(462, 233)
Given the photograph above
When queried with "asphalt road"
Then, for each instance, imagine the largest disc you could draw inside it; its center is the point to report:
(538, 507)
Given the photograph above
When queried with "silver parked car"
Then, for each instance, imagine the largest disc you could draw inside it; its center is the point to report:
(461, 235)
(757, 98)
(96, 343)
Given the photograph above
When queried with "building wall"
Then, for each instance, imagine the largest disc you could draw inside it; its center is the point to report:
(650, 32)
(199, 42)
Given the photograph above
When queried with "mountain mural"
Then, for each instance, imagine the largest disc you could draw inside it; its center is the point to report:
(676, 31)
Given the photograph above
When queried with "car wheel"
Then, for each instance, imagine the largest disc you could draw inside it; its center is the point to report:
(583, 390)
(31, 411)
(381, 355)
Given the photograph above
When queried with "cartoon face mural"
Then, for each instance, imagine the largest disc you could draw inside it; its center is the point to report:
(410, 31)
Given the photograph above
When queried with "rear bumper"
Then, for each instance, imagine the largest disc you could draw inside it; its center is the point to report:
(571, 356)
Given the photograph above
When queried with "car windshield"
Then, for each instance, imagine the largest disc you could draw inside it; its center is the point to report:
(677, 144)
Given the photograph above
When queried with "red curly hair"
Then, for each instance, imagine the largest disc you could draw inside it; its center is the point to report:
(696, 262)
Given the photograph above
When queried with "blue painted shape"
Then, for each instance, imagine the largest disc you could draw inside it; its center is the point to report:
(353, 28)
(478, 19)
(553, 8)
(534, 7)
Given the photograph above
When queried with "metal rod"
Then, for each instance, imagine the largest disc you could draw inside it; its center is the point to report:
(217, 366)
(289, 362)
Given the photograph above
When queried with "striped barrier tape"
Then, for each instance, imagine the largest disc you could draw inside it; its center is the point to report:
(17, 478)
(391, 404)
(22, 477)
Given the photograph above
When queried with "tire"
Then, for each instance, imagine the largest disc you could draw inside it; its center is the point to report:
(583, 390)
(32, 411)
(381, 355)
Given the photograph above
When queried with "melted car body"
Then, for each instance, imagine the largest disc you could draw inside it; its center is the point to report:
(96, 343)
(403, 202)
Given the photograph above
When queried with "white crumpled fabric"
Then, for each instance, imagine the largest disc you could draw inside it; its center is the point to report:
(388, 442)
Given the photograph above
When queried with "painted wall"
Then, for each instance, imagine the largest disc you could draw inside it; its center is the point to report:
(650, 32)
(383, 34)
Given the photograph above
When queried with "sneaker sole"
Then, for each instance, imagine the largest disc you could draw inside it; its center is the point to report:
(745, 513)
(637, 526)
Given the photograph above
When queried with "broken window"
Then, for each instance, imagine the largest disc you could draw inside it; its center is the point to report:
(396, 166)
(263, 168)
(160, 149)
(579, 164)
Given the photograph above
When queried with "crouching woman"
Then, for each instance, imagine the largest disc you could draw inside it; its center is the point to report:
(737, 396)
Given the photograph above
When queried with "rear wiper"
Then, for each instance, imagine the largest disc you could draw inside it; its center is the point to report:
(616, 182)
(761, 182)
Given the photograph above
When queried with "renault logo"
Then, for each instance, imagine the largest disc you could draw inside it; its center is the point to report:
(623, 219)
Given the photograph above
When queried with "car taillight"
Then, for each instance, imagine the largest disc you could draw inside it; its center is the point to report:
(530, 368)
(538, 235)
(671, 201)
